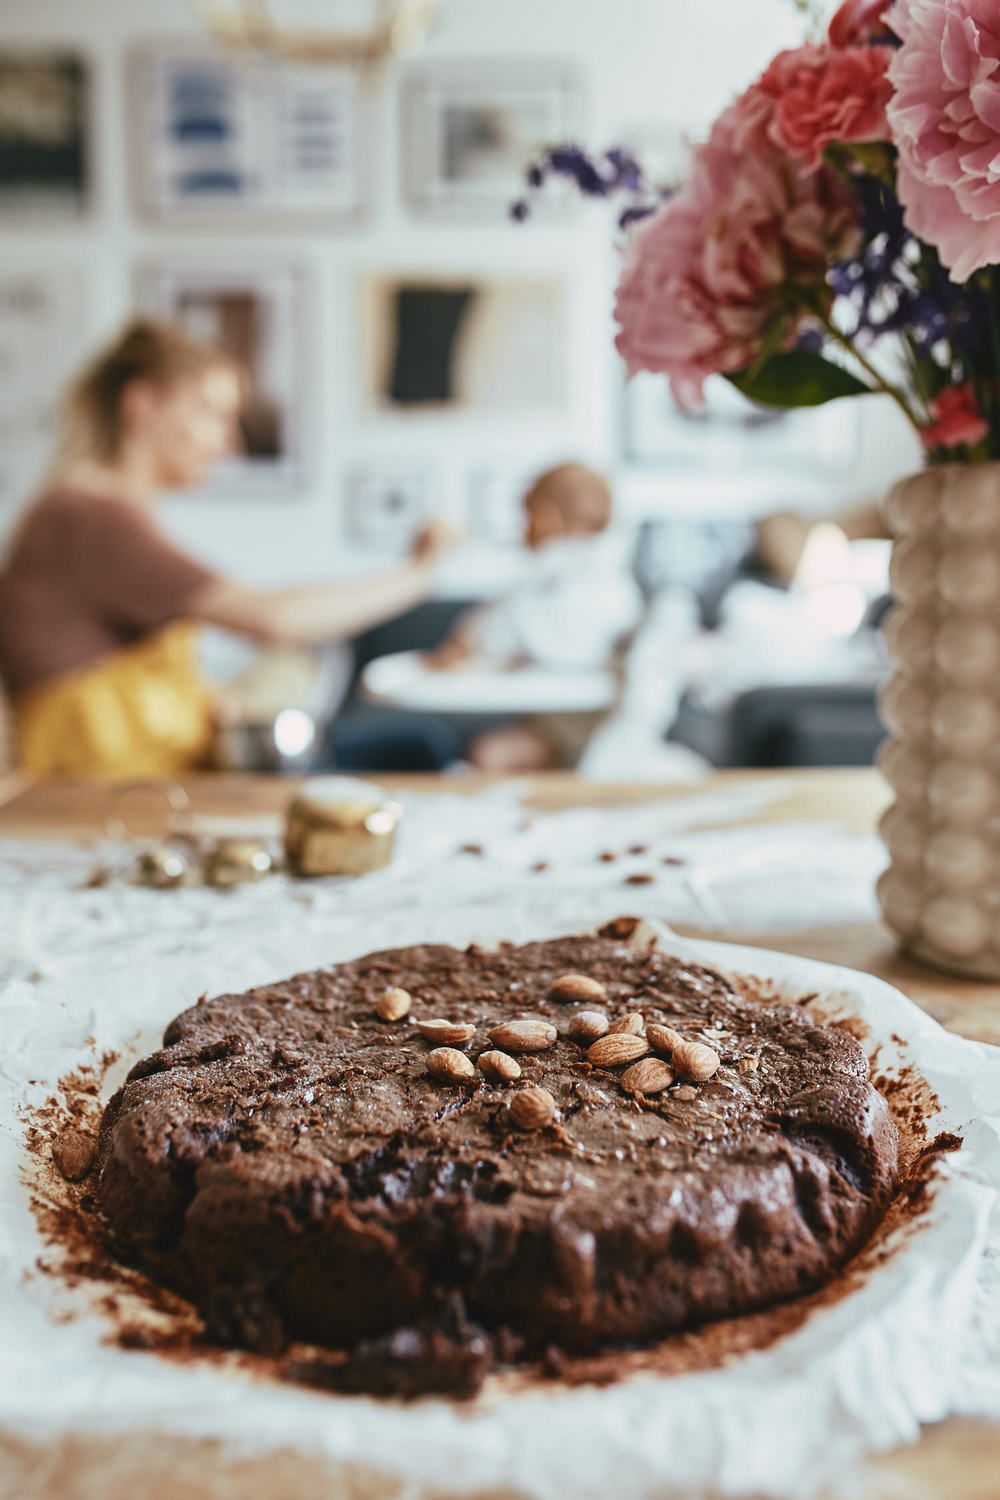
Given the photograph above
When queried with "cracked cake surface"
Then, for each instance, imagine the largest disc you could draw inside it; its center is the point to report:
(436, 1160)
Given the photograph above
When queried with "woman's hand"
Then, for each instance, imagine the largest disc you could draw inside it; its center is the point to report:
(433, 540)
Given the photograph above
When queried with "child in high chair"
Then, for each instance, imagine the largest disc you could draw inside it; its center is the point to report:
(576, 604)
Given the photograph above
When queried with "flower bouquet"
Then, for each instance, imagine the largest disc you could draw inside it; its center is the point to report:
(838, 233)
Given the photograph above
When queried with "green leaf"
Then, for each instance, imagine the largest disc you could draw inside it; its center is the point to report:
(798, 378)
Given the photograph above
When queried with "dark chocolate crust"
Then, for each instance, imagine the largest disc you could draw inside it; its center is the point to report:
(287, 1163)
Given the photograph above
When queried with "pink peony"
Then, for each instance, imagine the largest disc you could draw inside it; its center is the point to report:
(957, 419)
(945, 118)
(813, 96)
(706, 277)
(858, 22)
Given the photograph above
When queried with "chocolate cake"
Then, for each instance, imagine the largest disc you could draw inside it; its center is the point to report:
(434, 1160)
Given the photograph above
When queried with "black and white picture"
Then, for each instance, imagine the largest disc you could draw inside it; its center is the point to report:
(219, 135)
(732, 436)
(495, 504)
(476, 344)
(469, 132)
(257, 316)
(44, 147)
(44, 334)
(386, 503)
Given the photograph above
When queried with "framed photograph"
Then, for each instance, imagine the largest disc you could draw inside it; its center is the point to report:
(470, 130)
(44, 337)
(495, 504)
(733, 436)
(258, 316)
(386, 503)
(476, 344)
(45, 164)
(219, 137)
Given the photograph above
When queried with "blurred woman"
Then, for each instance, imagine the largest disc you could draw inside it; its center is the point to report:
(97, 605)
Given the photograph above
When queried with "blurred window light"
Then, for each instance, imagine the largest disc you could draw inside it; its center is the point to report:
(831, 580)
(294, 732)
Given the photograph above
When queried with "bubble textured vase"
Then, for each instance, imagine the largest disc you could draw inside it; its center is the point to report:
(941, 891)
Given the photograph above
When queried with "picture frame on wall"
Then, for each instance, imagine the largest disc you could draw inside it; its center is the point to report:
(45, 332)
(733, 437)
(259, 316)
(387, 501)
(470, 129)
(45, 133)
(495, 503)
(221, 138)
(486, 345)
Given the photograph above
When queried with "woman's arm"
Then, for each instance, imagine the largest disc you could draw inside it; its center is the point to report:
(313, 613)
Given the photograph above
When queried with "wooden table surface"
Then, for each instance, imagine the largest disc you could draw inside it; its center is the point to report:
(955, 1461)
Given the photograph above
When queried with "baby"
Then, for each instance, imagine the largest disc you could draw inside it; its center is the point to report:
(576, 603)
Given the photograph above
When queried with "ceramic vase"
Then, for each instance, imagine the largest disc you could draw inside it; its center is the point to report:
(941, 706)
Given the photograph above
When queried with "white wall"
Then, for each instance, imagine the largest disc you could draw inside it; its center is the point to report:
(644, 60)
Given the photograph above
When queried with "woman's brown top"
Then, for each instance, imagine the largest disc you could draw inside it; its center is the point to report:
(86, 576)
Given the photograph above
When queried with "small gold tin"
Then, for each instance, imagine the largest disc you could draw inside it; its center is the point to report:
(338, 825)
(161, 869)
(237, 862)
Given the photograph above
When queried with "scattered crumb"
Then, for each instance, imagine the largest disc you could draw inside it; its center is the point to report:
(642, 878)
(471, 849)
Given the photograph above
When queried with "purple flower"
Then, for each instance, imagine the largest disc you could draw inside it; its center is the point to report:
(608, 174)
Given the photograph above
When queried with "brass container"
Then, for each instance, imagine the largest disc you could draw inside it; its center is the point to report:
(236, 862)
(340, 826)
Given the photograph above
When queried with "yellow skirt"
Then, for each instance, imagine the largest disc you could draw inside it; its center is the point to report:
(145, 711)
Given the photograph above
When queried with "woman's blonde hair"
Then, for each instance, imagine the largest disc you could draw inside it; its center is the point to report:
(160, 353)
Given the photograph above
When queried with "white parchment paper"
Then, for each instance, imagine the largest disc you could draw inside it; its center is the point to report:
(919, 1338)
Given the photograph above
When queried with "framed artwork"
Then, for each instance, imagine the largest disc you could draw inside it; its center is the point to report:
(733, 436)
(217, 138)
(470, 129)
(471, 344)
(44, 337)
(258, 316)
(385, 504)
(495, 504)
(44, 132)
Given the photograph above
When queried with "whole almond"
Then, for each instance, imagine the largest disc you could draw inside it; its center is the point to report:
(616, 1049)
(74, 1154)
(524, 1035)
(498, 1067)
(650, 1075)
(635, 1024)
(393, 1005)
(448, 1065)
(446, 1033)
(532, 1108)
(570, 987)
(663, 1038)
(587, 1025)
(694, 1062)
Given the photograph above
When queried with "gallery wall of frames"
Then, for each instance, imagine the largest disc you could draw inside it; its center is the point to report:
(347, 234)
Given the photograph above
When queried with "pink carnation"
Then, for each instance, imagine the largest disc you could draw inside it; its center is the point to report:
(945, 119)
(814, 96)
(957, 419)
(704, 278)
